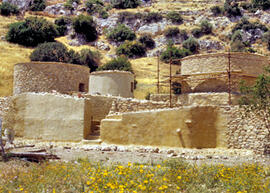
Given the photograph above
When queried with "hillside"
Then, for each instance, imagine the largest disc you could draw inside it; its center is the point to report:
(145, 68)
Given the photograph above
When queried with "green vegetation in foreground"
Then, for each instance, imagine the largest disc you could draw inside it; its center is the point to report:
(171, 176)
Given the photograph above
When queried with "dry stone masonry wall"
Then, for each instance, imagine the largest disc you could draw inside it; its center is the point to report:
(49, 76)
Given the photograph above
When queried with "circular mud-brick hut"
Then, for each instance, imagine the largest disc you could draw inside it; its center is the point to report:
(49, 76)
(115, 83)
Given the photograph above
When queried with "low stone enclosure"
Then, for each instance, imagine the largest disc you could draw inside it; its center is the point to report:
(196, 120)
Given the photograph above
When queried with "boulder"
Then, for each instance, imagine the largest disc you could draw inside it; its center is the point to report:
(210, 45)
(57, 9)
(21, 4)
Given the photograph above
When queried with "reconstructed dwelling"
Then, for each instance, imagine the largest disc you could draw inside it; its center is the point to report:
(201, 117)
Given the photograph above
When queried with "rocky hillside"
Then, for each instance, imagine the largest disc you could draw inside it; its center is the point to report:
(235, 25)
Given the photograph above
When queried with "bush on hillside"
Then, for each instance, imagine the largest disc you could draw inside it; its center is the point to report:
(266, 38)
(152, 17)
(7, 9)
(192, 45)
(125, 4)
(231, 8)
(69, 4)
(174, 17)
(217, 10)
(174, 53)
(196, 32)
(103, 14)
(32, 31)
(61, 24)
(94, 6)
(128, 16)
(131, 49)
(119, 63)
(147, 41)
(121, 33)
(85, 25)
(246, 25)
(51, 52)
(238, 46)
(38, 5)
(237, 36)
(171, 32)
(90, 58)
(206, 27)
(261, 4)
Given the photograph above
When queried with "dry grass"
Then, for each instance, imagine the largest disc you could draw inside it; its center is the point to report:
(10, 54)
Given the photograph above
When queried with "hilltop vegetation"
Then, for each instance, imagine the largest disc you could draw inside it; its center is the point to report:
(138, 30)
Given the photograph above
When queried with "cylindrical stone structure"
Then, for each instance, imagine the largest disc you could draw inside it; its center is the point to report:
(115, 83)
(50, 76)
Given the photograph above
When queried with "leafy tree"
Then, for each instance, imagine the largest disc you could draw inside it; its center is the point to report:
(94, 6)
(173, 53)
(171, 32)
(85, 25)
(231, 8)
(121, 33)
(152, 17)
(131, 49)
(61, 24)
(90, 58)
(147, 41)
(192, 45)
(217, 10)
(7, 9)
(261, 4)
(119, 63)
(206, 27)
(32, 31)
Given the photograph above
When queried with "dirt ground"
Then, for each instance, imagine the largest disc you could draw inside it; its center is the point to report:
(109, 154)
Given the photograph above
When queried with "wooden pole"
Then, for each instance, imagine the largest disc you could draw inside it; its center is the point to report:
(229, 76)
(158, 74)
(170, 79)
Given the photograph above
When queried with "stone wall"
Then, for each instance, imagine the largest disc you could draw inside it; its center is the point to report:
(245, 63)
(4, 105)
(248, 131)
(47, 116)
(49, 76)
(218, 99)
(191, 127)
(115, 83)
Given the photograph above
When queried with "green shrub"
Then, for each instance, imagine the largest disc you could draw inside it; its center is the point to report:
(69, 4)
(261, 4)
(245, 25)
(124, 4)
(173, 53)
(237, 46)
(196, 32)
(51, 52)
(61, 24)
(103, 14)
(217, 10)
(94, 6)
(147, 41)
(90, 58)
(131, 49)
(85, 25)
(231, 9)
(171, 32)
(152, 17)
(120, 63)
(38, 5)
(7, 9)
(32, 31)
(206, 27)
(121, 33)
(192, 45)
(183, 34)
(174, 17)
(237, 36)
(128, 16)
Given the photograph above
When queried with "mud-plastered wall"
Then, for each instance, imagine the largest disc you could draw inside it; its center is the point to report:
(49, 76)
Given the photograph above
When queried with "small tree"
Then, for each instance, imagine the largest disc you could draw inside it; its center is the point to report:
(119, 63)
(90, 58)
(147, 41)
(206, 27)
(125, 4)
(32, 32)
(7, 9)
(192, 45)
(174, 17)
(174, 53)
(61, 24)
(85, 25)
(121, 33)
(38, 5)
(131, 49)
